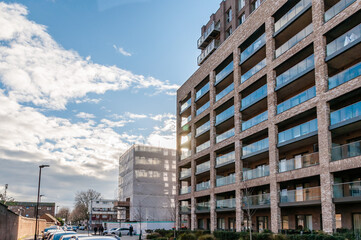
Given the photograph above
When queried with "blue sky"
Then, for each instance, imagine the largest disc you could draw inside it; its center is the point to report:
(83, 80)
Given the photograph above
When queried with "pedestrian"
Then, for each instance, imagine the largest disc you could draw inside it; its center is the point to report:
(131, 230)
(95, 230)
(101, 230)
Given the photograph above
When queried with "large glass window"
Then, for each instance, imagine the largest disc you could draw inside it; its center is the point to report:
(241, 4)
(229, 15)
(262, 223)
(200, 224)
(285, 225)
(338, 221)
(221, 223)
(304, 222)
(356, 221)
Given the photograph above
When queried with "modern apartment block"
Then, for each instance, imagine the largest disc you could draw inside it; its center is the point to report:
(147, 180)
(270, 123)
(103, 210)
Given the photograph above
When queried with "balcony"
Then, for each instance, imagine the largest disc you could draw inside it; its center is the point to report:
(294, 40)
(204, 167)
(203, 108)
(347, 192)
(297, 133)
(185, 209)
(346, 115)
(203, 186)
(298, 162)
(226, 204)
(296, 100)
(226, 114)
(212, 30)
(186, 105)
(255, 147)
(222, 181)
(203, 146)
(224, 73)
(185, 190)
(256, 201)
(186, 120)
(253, 70)
(185, 173)
(202, 129)
(345, 41)
(311, 195)
(254, 47)
(292, 15)
(203, 206)
(206, 52)
(261, 171)
(295, 72)
(201, 92)
(186, 138)
(254, 97)
(255, 120)
(337, 8)
(345, 76)
(185, 154)
(225, 135)
(225, 159)
(225, 91)
(346, 151)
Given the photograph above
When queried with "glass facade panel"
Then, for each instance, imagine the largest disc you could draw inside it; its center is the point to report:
(226, 158)
(202, 91)
(225, 91)
(337, 8)
(344, 40)
(296, 100)
(254, 97)
(225, 135)
(297, 131)
(253, 70)
(346, 113)
(255, 120)
(226, 114)
(224, 73)
(260, 42)
(291, 14)
(255, 147)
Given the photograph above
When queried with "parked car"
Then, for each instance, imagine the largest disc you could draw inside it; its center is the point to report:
(123, 231)
(109, 231)
(97, 238)
(82, 228)
(58, 235)
(47, 229)
(52, 232)
(70, 236)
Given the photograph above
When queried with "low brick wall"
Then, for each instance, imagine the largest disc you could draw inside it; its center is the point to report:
(26, 227)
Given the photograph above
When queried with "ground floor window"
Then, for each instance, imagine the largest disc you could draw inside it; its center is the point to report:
(285, 225)
(338, 218)
(231, 223)
(200, 224)
(262, 223)
(304, 222)
(221, 223)
(356, 221)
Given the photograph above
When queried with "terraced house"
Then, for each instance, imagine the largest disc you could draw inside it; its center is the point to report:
(269, 126)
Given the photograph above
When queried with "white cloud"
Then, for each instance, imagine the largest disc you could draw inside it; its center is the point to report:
(85, 115)
(122, 51)
(36, 69)
(88, 100)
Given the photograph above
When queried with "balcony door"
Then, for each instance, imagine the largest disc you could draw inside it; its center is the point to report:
(299, 192)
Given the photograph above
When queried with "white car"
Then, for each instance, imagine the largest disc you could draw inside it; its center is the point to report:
(116, 231)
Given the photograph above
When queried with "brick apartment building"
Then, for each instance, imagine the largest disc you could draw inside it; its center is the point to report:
(271, 120)
(103, 210)
(27, 209)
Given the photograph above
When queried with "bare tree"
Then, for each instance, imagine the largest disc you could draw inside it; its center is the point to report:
(79, 213)
(84, 198)
(63, 213)
(172, 209)
(247, 202)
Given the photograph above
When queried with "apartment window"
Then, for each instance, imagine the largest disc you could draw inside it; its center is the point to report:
(285, 225)
(200, 224)
(304, 222)
(262, 223)
(241, 4)
(356, 221)
(338, 221)
(255, 4)
(221, 223)
(229, 15)
(241, 19)
(229, 32)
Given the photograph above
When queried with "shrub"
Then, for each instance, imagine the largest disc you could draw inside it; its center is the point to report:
(279, 237)
(188, 236)
(224, 235)
(154, 235)
(207, 237)
(161, 238)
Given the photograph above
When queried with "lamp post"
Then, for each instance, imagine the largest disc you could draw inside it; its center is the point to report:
(37, 202)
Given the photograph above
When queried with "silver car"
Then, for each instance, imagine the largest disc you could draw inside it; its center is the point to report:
(96, 238)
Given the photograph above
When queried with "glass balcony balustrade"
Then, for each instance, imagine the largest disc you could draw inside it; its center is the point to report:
(224, 92)
(203, 146)
(298, 131)
(186, 120)
(203, 108)
(226, 203)
(300, 161)
(346, 113)
(213, 27)
(202, 91)
(224, 73)
(344, 40)
(255, 120)
(345, 76)
(261, 171)
(254, 47)
(226, 158)
(296, 71)
(255, 147)
(185, 209)
(203, 186)
(203, 206)
(291, 14)
(209, 49)
(185, 173)
(204, 128)
(226, 114)
(185, 190)
(254, 97)
(185, 105)
(258, 67)
(256, 200)
(186, 138)
(296, 100)
(337, 8)
(344, 151)
(300, 195)
(294, 40)
(185, 153)
(203, 167)
(225, 135)
(348, 189)
(230, 179)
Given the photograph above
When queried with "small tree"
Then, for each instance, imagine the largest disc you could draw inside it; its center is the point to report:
(63, 213)
(79, 213)
(139, 214)
(247, 201)
(83, 200)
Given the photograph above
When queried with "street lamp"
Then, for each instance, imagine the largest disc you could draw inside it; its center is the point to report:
(37, 202)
